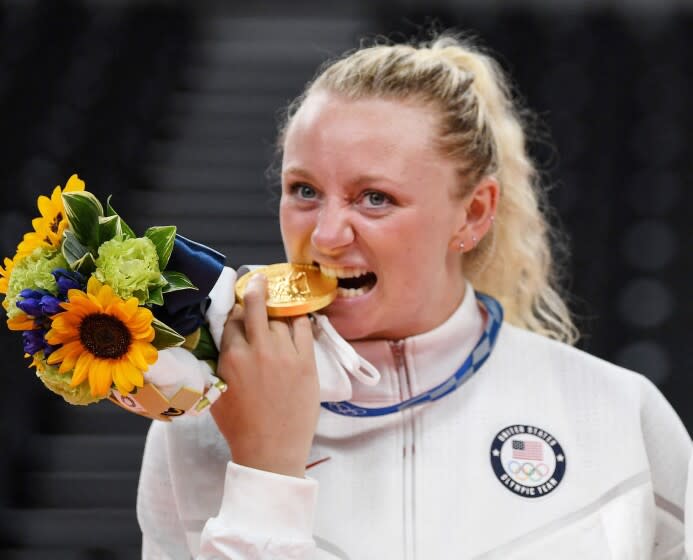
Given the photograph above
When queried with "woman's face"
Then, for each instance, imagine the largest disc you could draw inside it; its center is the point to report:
(366, 196)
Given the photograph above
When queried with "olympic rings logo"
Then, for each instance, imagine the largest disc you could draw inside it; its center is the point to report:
(527, 471)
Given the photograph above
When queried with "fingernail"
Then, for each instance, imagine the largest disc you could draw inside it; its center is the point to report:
(256, 281)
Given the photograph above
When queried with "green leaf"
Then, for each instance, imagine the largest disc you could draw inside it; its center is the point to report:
(72, 249)
(83, 210)
(126, 230)
(86, 265)
(205, 348)
(165, 336)
(176, 281)
(109, 227)
(161, 283)
(156, 296)
(192, 340)
(163, 238)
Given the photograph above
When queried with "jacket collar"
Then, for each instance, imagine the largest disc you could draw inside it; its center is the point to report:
(413, 365)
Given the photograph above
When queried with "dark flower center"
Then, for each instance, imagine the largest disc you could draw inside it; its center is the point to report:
(56, 222)
(104, 336)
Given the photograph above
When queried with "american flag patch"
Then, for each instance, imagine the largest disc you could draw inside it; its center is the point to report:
(528, 450)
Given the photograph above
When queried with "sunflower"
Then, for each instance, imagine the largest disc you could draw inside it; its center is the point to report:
(104, 338)
(49, 228)
(5, 273)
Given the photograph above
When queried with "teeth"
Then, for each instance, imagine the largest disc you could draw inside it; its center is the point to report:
(351, 292)
(339, 272)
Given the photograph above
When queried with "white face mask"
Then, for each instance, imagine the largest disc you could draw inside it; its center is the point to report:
(336, 360)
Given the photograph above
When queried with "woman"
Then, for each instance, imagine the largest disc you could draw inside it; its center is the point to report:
(404, 174)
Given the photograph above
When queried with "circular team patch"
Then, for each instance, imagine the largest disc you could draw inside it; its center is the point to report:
(527, 460)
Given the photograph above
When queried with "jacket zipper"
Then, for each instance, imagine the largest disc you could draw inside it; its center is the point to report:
(408, 451)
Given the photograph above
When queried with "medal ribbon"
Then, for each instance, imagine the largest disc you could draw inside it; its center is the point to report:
(477, 357)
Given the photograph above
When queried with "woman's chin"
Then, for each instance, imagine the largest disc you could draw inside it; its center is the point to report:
(349, 314)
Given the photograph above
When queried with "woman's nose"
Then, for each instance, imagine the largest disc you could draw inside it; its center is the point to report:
(333, 230)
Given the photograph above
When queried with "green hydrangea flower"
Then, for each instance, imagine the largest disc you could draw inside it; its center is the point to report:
(129, 266)
(59, 383)
(33, 271)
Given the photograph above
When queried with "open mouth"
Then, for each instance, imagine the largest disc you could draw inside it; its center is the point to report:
(351, 282)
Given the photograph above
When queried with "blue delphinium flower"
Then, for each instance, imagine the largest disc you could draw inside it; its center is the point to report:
(41, 305)
(34, 341)
(68, 280)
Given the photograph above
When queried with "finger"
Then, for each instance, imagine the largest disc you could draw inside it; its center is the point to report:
(237, 313)
(280, 327)
(233, 334)
(303, 336)
(254, 301)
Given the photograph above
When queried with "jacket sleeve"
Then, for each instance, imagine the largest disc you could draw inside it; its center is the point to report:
(263, 515)
(163, 535)
(668, 448)
(689, 512)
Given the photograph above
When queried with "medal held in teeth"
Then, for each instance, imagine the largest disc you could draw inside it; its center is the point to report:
(292, 289)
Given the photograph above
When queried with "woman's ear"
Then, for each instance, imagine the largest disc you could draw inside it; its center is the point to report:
(479, 212)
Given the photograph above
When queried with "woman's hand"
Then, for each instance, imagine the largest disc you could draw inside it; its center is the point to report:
(269, 413)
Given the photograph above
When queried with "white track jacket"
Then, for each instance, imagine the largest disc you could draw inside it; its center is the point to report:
(545, 453)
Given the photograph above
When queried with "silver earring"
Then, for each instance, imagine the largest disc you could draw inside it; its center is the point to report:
(474, 240)
(461, 245)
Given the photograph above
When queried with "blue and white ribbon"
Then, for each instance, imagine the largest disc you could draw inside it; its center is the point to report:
(477, 357)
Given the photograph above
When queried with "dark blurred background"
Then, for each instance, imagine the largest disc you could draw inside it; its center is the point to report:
(172, 108)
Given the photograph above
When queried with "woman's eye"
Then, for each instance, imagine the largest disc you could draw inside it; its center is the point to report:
(375, 199)
(303, 191)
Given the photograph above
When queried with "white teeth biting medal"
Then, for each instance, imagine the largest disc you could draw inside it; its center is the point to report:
(292, 289)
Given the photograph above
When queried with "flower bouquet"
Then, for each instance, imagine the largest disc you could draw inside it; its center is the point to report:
(96, 304)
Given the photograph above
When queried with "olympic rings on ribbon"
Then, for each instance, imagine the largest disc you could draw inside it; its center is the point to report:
(528, 471)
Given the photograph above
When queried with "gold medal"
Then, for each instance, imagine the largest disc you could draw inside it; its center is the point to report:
(292, 289)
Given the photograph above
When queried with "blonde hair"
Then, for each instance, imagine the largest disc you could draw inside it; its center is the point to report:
(482, 131)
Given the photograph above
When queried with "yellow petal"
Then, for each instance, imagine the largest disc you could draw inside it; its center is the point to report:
(144, 335)
(39, 224)
(66, 323)
(61, 353)
(57, 356)
(127, 376)
(74, 183)
(95, 302)
(76, 296)
(100, 378)
(21, 322)
(105, 295)
(70, 359)
(146, 350)
(93, 285)
(79, 375)
(55, 195)
(133, 374)
(83, 364)
(121, 382)
(46, 207)
(136, 357)
(132, 308)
